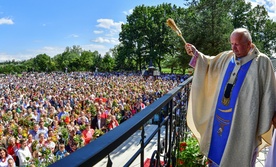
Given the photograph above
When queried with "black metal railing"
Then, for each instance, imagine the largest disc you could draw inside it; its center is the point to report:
(171, 110)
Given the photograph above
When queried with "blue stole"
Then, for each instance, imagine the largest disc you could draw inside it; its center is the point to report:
(224, 113)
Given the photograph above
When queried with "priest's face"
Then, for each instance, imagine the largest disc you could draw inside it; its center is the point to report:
(240, 45)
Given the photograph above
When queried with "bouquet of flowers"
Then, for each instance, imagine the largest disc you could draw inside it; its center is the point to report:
(65, 119)
(26, 121)
(78, 139)
(82, 127)
(45, 157)
(55, 136)
(7, 117)
(64, 134)
(98, 133)
(189, 153)
(92, 110)
(45, 151)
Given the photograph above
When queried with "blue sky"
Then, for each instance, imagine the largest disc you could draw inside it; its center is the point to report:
(32, 27)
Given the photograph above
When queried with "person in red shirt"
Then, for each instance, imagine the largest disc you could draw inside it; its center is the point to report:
(87, 134)
(13, 148)
(113, 123)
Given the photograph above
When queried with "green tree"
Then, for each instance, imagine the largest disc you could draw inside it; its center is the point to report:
(146, 38)
(269, 37)
(69, 58)
(256, 22)
(239, 12)
(107, 63)
(208, 25)
(86, 61)
(97, 61)
(41, 62)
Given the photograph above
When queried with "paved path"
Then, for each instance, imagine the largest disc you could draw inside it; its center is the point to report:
(121, 155)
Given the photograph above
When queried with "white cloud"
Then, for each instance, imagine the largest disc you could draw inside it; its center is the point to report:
(101, 40)
(113, 41)
(98, 32)
(254, 3)
(53, 51)
(109, 24)
(272, 9)
(6, 21)
(130, 11)
(49, 50)
(7, 57)
(261, 2)
(16, 57)
(270, 6)
(272, 16)
(73, 36)
(111, 31)
(273, 6)
(102, 49)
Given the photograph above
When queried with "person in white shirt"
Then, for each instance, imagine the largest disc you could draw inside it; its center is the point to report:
(24, 153)
(4, 156)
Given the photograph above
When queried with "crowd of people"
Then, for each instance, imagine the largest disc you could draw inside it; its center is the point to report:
(45, 117)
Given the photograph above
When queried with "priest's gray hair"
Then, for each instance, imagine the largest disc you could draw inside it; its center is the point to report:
(245, 33)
